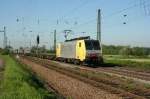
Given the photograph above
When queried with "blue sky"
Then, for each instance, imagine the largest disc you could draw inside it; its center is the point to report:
(77, 15)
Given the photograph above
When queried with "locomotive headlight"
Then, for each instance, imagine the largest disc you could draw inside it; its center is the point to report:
(88, 54)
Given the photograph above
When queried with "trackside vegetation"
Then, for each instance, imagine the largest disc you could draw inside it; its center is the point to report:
(126, 50)
(141, 65)
(19, 83)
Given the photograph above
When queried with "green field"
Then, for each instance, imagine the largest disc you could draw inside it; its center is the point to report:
(19, 83)
(139, 63)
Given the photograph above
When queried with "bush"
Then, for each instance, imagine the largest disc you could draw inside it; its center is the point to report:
(126, 51)
(5, 52)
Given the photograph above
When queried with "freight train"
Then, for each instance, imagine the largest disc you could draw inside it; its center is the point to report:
(80, 51)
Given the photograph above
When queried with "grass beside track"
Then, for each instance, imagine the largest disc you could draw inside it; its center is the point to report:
(141, 64)
(19, 83)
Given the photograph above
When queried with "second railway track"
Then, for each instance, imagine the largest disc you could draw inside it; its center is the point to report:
(132, 74)
(143, 77)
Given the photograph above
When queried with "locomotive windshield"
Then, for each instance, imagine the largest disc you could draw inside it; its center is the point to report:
(92, 45)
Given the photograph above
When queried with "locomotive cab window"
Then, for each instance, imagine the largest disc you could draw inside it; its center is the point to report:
(96, 45)
(92, 45)
(80, 44)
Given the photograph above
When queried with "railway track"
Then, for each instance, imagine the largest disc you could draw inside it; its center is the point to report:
(102, 84)
(132, 74)
(143, 77)
(120, 72)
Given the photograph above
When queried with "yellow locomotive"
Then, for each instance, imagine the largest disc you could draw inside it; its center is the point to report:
(79, 50)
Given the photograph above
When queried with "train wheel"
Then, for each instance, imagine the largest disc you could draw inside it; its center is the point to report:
(82, 63)
(65, 60)
(68, 60)
(76, 62)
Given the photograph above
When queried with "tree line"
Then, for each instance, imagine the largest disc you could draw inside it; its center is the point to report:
(126, 50)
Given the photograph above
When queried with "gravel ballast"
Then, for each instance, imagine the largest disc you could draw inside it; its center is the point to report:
(68, 86)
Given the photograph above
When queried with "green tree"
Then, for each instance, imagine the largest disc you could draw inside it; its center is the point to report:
(126, 51)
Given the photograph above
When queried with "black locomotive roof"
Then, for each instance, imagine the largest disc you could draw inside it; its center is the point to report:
(79, 38)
